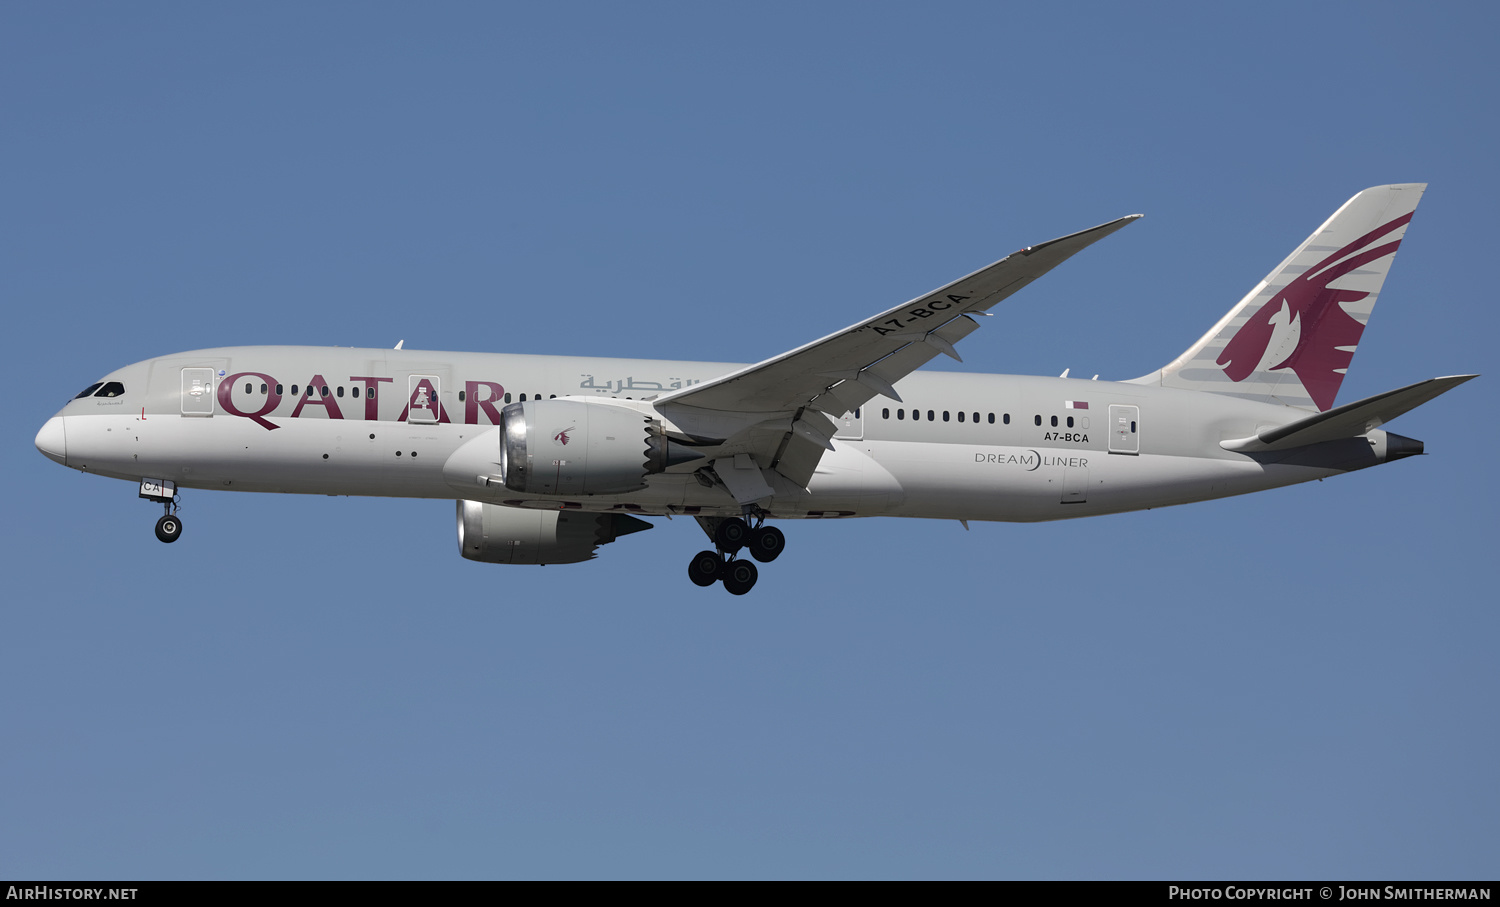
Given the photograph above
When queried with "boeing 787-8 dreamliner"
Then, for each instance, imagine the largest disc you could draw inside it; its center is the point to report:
(550, 457)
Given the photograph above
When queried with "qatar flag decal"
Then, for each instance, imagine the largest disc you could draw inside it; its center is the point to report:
(1076, 404)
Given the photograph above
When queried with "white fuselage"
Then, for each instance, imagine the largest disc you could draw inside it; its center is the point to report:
(957, 446)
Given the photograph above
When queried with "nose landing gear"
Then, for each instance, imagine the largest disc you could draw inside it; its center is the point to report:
(169, 527)
(732, 535)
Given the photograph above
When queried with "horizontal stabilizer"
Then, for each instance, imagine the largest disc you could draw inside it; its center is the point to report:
(1348, 421)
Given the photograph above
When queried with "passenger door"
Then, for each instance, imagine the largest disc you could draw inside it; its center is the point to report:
(197, 392)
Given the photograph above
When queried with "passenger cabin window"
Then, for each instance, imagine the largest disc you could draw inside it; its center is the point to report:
(1070, 421)
(278, 390)
(341, 390)
(945, 415)
(249, 388)
(1054, 421)
(900, 414)
(1038, 420)
(960, 415)
(1007, 418)
(354, 392)
(460, 396)
(885, 413)
(89, 391)
(110, 389)
(294, 390)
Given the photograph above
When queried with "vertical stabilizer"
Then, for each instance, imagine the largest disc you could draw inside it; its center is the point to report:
(1292, 338)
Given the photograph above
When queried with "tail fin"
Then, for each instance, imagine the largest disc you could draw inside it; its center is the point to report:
(1291, 339)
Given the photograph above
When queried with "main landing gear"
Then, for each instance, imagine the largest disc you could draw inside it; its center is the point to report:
(731, 536)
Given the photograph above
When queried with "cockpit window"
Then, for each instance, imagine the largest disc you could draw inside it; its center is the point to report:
(110, 389)
(88, 391)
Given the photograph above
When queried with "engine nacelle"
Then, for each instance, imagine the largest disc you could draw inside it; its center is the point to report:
(578, 447)
(513, 535)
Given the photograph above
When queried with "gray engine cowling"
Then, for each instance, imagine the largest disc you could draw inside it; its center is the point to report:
(574, 447)
(512, 535)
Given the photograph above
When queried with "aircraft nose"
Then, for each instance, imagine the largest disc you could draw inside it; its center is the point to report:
(52, 440)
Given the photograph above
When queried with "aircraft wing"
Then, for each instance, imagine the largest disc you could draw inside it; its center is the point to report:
(766, 416)
(847, 368)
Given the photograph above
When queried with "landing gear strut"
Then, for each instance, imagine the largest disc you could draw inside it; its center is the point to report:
(732, 535)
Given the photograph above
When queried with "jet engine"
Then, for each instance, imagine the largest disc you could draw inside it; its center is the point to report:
(576, 447)
(512, 535)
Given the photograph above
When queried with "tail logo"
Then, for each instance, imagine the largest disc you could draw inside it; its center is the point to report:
(1307, 316)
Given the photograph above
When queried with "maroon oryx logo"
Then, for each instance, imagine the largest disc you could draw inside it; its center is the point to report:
(562, 437)
(1326, 334)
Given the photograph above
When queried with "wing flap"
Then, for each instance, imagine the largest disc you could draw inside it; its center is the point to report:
(799, 459)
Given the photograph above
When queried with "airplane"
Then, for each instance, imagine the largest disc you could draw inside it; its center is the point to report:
(550, 457)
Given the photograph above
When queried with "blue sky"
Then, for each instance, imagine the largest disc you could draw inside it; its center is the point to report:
(1297, 684)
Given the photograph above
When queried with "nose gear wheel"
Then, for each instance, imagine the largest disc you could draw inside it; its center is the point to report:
(169, 528)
